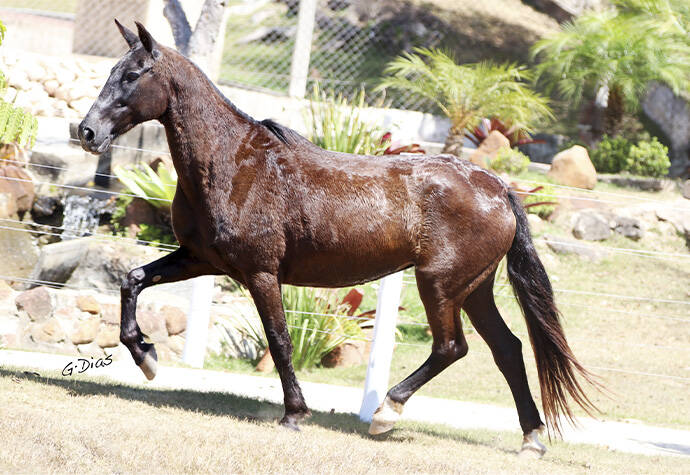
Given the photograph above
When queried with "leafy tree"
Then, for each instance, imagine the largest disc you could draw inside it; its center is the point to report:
(466, 93)
(614, 54)
(17, 127)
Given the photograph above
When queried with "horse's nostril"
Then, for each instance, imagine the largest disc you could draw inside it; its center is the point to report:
(88, 134)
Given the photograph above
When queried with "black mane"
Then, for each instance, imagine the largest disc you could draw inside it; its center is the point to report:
(277, 129)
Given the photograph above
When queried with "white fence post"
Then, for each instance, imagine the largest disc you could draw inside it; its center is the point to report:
(197, 321)
(378, 372)
(299, 68)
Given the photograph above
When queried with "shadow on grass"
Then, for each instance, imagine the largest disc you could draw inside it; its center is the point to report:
(238, 407)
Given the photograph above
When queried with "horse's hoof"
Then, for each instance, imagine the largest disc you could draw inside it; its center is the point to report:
(532, 448)
(149, 365)
(385, 416)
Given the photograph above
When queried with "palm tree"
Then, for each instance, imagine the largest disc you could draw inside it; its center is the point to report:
(467, 93)
(614, 54)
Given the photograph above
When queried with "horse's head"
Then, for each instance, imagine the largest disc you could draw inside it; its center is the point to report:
(134, 93)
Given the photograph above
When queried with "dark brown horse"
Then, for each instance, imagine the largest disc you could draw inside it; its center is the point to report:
(260, 203)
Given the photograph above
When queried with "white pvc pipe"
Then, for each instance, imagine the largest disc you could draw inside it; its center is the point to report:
(198, 318)
(378, 372)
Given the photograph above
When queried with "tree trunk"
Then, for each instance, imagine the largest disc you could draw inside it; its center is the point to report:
(454, 141)
(197, 45)
(613, 115)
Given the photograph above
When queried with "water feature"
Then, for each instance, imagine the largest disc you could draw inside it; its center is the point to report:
(82, 215)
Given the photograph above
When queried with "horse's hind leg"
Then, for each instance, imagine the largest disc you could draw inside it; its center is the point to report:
(449, 345)
(507, 352)
(265, 290)
(176, 266)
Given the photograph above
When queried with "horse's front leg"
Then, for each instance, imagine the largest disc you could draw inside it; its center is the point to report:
(178, 265)
(265, 290)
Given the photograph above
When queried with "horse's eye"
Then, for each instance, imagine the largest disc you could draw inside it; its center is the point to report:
(132, 76)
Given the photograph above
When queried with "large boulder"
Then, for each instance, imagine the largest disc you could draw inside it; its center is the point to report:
(19, 184)
(91, 262)
(592, 226)
(671, 114)
(489, 148)
(572, 167)
(18, 250)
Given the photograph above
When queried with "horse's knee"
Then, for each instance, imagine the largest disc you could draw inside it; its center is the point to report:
(132, 281)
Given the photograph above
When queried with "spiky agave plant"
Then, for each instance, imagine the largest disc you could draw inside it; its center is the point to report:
(466, 93)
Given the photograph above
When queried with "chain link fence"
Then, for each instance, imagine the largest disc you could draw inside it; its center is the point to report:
(351, 40)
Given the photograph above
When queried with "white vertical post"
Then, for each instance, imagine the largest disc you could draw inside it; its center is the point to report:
(378, 372)
(299, 68)
(197, 321)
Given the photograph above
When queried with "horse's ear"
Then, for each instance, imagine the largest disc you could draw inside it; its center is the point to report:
(127, 34)
(147, 40)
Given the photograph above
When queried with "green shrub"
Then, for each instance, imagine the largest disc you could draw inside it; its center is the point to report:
(337, 125)
(541, 201)
(156, 234)
(648, 159)
(510, 161)
(156, 187)
(313, 330)
(611, 155)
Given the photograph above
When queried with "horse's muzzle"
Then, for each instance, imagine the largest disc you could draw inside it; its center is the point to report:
(90, 141)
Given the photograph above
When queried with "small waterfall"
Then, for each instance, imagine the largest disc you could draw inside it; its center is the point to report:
(81, 216)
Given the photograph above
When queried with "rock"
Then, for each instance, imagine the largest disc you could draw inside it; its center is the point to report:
(175, 319)
(629, 227)
(564, 10)
(34, 71)
(489, 148)
(176, 344)
(152, 325)
(10, 94)
(81, 106)
(91, 262)
(108, 336)
(49, 331)
(641, 183)
(572, 167)
(536, 224)
(51, 86)
(64, 76)
(19, 184)
(685, 189)
(87, 303)
(139, 212)
(86, 331)
(591, 226)
(47, 210)
(18, 250)
(37, 303)
(90, 349)
(545, 147)
(18, 79)
(561, 245)
(8, 206)
(110, 313)
(679, 219)
(6, 291)
(350, 353)
(671, 114)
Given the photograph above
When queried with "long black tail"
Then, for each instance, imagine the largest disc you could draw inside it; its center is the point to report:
(556, 364)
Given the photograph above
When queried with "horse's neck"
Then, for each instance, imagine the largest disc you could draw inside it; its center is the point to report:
(198, 124)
